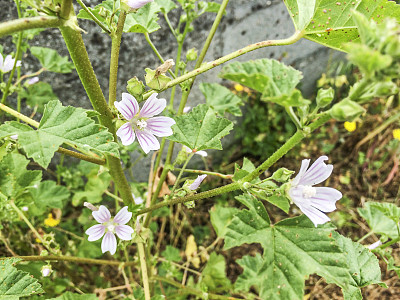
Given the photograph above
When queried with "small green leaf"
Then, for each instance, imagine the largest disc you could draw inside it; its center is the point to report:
(172, 254)
(107, 9)
(346, 110)
(144, 20)
(38, 94)
(221, 217)
(16, 283)
(294, 99)
(267, 76)
(48, 194)
(246, 169)
(221, 99)
(52, 61)
(200, 129)
(377, 220)
(156, 81)
(390, 210)
(213, 276)
(166, 5)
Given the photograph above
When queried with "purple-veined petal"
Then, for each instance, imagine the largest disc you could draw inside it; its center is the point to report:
(126, 134)
(95, 232)
(316, 216)
(153, 106)
(201, 153)
(109, 243)
(195, 185)
(325, 199)
(128, 106)
(160, 126)
(102, 215)
(304, 165)
(136, 4)
(124, 232)
(147, 141)
(123, 216)
(317, 173)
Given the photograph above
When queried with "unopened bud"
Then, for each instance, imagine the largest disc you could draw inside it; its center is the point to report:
(90, 206)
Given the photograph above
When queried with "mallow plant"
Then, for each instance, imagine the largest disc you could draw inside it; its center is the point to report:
(109, 235)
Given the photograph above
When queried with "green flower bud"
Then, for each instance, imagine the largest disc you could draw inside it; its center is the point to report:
(325, 97)
(346, 110)
(191, 55)
(136, 88)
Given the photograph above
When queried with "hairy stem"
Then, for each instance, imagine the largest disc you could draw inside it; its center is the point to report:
(80, 260)
(224, 176)
(143, 265)
(10, 27)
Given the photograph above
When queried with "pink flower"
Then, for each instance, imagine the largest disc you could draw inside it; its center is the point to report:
(7, 64)
(196, 183)
(136, 4)
(314, 201)
(33, 80)
(142, 122)
(109, 227)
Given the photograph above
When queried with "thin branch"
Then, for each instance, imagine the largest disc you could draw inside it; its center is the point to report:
(89, 12)
(10, 27)
(75, 259)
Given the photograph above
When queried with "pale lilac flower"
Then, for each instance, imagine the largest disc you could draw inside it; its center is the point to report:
(7, 64)
(201, 152)
(374, 245)
(186, 109)
(109, 227)
(136, 4)
(25, 208)
(195, 185)
(14, 137)
(46, 270)
(142, 122)
(33, 80)
(314, 201)
(138, 200)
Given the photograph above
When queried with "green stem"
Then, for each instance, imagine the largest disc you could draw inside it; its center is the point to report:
(359, 89)
(193, 291)
(153, 47)
(229, 176)
(76, 47)
(113, 196)
(18, 115)
(170, 25)
(210, 65)
(66, 8)
(293, 141)
(115, 47)
(181, 172)
(10, 27)
(89, 12)
(73, 259)
(145, 276)
(293, 116)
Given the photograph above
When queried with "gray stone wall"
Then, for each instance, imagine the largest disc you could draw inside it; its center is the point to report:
(246, 22)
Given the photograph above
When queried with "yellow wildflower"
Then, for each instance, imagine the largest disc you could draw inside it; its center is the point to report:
(238, 87)
(50, 221)
(396, 134)
(350, 126)
(38, 241)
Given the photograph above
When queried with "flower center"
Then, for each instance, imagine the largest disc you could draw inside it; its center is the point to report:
(142, 124)
(110, 226)
(309, 191)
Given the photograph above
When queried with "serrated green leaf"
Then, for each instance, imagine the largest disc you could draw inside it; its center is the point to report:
(378, 221)
(390, 210)
(221, 217)
(330, 23)
(59, 125)
(172, 254)
(221, 99)
(144, 20)
(16, 283)
(166, 5)
(52, 61)
(74, 296)
(246, 169)
(295, 99)
(48, 194)
(213, 276)
(200, 129)
(105, 6)
(15, 179)
(38, 94)
(268, 76)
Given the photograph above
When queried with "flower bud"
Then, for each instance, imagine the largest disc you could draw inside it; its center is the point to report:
(136, 88)
(191, 55)
(46, 270)
(325, 97)
(346, 110)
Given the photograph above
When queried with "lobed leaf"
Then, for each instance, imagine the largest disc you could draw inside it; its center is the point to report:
(221, 99)
(38, 94)
(49, 194)
(221, 217)
(200, 129)
(213, 276)
(144, 20)
(52, 61)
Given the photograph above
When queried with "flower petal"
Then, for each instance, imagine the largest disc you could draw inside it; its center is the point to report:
(102, 215)
(317, 173)
(95, 232)
(160, 126)
(128, 106)
(124, 232)
(126, 134)
(195, 185)
(1, 62)
(8, 64)
(109, 243)
(325, 199)
(136, 4)
(19, 63)
(304, 165)
(374, 245)
(316, 216)
(153, 106)
(123, 216)
(147, 141)
(201, 153)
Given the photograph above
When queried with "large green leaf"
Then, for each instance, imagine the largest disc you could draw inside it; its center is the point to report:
(15, 179)
(48, 194)
(38, 94)
(52, 61)
(15, 283)
(213, 276)
(60, 125)
(330, 22)
(378, 221)
(166, 5)
(221, 99)
(200, 129)
(268, 76)
(221, 217)
(144, 20)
